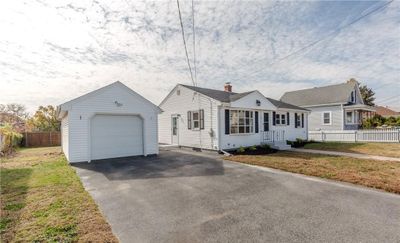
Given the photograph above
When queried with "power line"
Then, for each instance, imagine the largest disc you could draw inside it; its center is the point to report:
(334, 32)
(194, 46)
(184, 43)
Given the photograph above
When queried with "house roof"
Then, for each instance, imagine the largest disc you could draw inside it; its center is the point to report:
(227, 97)
(332, 94)
(283, 105)
(386, 111)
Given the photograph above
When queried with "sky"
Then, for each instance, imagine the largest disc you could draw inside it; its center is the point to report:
(54, 51)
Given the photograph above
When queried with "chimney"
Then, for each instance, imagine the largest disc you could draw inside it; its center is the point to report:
(228, 87)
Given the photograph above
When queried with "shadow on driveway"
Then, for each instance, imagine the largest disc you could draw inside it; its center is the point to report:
(166, 164)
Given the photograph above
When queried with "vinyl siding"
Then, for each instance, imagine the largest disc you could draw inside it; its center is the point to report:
(231, 141)
(65, 136)
(315, 118)
(180, 104)
(81, 113)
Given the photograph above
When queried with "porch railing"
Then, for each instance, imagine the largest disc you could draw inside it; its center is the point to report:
(274, 136)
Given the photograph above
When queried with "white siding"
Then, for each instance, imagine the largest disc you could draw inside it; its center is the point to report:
(80, 114)
(315, 118)
(230, 141)
(65, 136)
(181, 104)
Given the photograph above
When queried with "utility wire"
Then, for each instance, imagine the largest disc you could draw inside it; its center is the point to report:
(334, 32)
(184, 43)
(194, 46)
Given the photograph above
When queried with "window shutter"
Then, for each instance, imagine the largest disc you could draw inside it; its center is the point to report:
(201, 119)
(295, 120)
(274, 118)
(256, 121)
(288, 118)
(302, 119)
(189, 118)
(227, 121)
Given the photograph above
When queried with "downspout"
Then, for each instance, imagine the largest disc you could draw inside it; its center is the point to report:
(341, 106)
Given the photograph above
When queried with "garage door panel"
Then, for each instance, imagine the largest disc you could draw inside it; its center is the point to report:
(116, 136)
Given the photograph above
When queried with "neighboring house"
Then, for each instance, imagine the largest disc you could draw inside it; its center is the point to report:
(334, 107)
(222, 120)
(113, 121)
(386, 111)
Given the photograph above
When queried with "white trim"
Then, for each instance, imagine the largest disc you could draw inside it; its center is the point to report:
(323, 120)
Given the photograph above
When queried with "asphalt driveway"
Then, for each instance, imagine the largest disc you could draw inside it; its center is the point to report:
(178, 197)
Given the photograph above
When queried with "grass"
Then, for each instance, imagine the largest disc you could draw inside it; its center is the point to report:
(383, 175)
(43, 200)
(382, 149)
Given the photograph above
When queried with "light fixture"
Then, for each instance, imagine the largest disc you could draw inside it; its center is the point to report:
(258, 102)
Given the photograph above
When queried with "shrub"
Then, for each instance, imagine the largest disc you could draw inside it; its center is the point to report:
(266, 147)
(10, 139)
(253, 148)
(241, 150)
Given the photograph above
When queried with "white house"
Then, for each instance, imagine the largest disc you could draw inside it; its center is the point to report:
(222, 120)
(113, 121)
(333, 107)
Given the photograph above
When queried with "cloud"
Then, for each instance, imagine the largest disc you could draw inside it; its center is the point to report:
(53, 51)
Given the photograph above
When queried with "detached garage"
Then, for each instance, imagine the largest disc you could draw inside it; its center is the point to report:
(113, 121)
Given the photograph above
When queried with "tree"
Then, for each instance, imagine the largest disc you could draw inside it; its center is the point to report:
(45, 119)
(12, 113)
(367, 95)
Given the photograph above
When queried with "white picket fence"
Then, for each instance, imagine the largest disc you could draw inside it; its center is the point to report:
(371, 135)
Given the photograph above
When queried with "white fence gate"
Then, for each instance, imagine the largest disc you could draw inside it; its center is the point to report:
(373, 135)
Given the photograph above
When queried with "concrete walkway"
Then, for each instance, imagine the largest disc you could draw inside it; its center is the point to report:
(353, 155)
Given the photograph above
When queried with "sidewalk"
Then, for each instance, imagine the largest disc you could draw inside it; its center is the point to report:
(354, 155)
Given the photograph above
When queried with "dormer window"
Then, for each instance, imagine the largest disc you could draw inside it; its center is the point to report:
(353, 97)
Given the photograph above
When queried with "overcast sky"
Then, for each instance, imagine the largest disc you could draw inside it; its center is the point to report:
(53, 51)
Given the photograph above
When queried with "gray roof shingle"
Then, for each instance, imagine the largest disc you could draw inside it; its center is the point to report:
(227, 97)
(338, 93)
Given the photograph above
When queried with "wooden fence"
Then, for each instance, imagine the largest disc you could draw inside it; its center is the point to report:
(41, 139)
(373, 135)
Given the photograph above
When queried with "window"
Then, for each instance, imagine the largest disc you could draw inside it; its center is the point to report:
(278, 119)
(283, 119)
(241, 121)
(326, 118)
(349, 117)
(196, 119)
(298, 120)
(352, 97)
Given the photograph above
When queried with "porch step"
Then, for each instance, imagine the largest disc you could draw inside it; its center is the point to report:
(281, 146)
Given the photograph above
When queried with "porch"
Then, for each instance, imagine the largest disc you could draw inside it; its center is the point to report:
(276, 139)
(354, 115)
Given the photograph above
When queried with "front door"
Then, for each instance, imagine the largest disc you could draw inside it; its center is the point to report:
(266, 121)
(174, 130)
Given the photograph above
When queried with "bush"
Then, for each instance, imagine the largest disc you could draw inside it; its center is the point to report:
(10, 139)
(297, 143)
(253, 148)
(241, 150)
(265, 147)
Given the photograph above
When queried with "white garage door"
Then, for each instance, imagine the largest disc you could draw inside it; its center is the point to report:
(116, 136)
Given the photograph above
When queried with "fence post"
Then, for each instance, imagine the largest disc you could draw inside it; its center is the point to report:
(26, 139)
(51, 142)
(398, 135)
(355, 136)
(322, 136)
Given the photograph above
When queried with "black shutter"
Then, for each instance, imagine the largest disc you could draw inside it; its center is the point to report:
(302, 119)
(288, 119)
(295, 120)
(226, 121)
(189, 119)
(256, 120)
(273, 118)
(202, 119)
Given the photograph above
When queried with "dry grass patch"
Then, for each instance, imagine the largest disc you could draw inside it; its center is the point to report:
(43, 200)
(383, 175)
(382, 149)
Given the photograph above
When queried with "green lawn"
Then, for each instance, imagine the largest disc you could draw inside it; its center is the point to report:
(383, 175)
(383, 149)
(43, 200)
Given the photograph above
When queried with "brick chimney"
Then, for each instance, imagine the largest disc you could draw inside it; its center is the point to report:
(228, 87)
